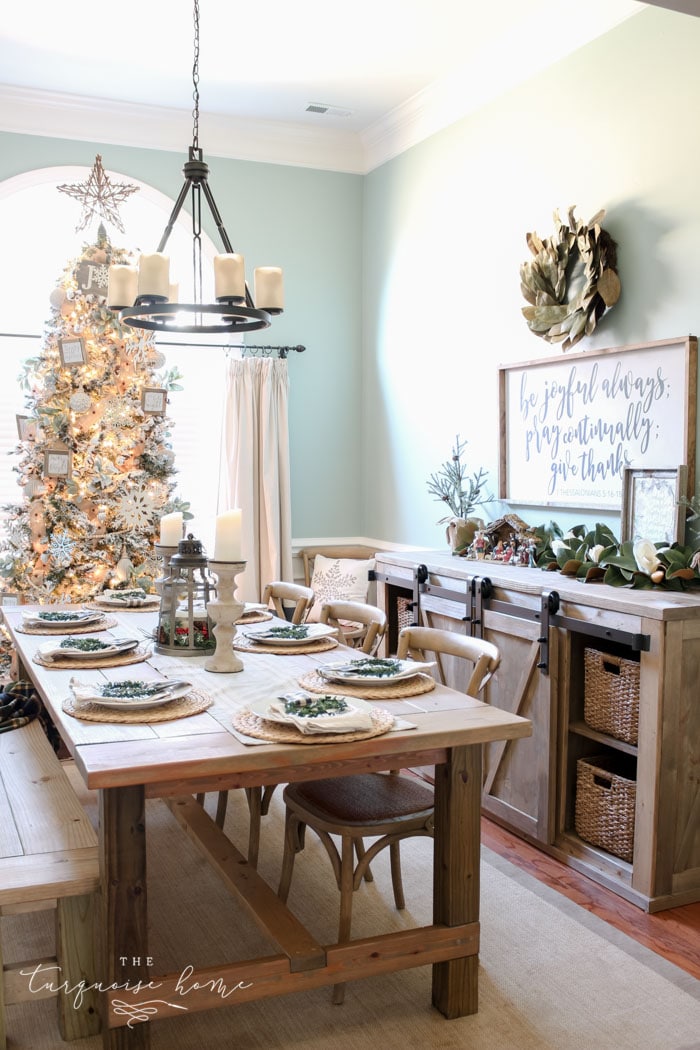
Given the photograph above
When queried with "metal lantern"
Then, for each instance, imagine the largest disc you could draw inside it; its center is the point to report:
(184, 627)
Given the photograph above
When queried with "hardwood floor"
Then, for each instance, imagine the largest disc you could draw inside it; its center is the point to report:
(673, 934)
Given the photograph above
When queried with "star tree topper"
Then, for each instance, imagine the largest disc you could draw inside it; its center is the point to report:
(99, 196)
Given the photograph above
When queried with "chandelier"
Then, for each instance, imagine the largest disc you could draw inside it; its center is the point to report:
(145, 297)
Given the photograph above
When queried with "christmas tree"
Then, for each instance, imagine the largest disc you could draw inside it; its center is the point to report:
(95, 465)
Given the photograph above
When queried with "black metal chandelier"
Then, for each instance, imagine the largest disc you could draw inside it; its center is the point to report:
(145, 298)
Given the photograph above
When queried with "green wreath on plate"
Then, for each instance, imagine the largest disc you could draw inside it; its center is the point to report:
(571, 281)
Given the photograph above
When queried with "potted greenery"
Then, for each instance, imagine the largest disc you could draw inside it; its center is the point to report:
(462, 492)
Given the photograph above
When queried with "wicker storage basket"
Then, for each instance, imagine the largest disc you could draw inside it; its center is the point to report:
(404, 612)
(611, 695)
(605, 801)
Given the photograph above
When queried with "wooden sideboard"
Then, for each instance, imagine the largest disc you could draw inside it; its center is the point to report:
(542, 623)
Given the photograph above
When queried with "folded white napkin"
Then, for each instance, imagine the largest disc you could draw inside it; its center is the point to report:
(92, 691)
(350, 721)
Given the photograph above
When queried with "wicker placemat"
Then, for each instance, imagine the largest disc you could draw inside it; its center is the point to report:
(66, 628)
(316, 645)
(278, 733)
(413, 686)
(192, 703)
(135, 656)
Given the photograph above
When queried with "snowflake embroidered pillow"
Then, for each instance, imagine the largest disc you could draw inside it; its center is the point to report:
(338, 579)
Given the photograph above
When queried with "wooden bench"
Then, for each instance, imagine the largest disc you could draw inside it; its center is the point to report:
(48, 860)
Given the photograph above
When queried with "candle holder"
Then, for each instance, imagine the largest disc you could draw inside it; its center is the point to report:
(165, 553)
(223, 611)
(184, 628)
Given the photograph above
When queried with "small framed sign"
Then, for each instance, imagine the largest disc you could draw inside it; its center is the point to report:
(57, 463)
(72, 352)
(154, 400)
(10, 598)
(651, 505)
(26, 428)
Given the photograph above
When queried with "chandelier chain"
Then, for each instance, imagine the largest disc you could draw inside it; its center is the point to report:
(195, 79)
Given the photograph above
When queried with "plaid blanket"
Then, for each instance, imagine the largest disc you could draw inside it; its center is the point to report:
(19, 704)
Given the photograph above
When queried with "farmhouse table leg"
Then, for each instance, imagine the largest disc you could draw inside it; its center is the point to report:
(123, 907)
(456, 873)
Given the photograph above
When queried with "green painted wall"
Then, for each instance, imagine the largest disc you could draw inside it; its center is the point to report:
(613, 126)
(310, 223)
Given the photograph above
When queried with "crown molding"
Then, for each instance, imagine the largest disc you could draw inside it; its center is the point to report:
(559, 29)
(27, 111)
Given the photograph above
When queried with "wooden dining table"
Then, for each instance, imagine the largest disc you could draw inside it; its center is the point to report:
(179, 759)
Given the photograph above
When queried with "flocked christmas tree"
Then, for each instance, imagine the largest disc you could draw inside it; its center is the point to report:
(95, 465)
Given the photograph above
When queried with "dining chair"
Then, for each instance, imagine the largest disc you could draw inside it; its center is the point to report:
(274, 595)
(279, 591)
(358, 624)
(386, 807)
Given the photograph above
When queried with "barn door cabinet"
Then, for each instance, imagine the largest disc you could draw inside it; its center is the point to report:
(543, 623)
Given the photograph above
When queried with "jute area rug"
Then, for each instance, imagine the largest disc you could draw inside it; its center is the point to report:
(551, 975)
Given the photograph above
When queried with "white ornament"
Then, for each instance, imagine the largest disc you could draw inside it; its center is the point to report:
(157, 359)
(136, 508)
(80, 402)
(57, 298)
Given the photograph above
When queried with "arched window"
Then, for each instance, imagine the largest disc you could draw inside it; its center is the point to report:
(38, 225)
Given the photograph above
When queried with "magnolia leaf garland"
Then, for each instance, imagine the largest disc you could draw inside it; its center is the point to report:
(575, 253)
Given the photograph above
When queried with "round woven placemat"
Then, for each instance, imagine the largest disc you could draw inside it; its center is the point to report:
(317, 645)
(135, 656)
(414, 686)
(99, 625)
(254, 617)
(192, 703)
(278, 733)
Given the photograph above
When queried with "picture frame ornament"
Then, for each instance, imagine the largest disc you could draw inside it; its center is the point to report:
(571, 280)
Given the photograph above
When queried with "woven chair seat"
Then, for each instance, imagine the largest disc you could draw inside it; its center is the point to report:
(363, 799)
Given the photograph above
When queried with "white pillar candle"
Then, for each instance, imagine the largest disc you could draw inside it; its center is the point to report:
(171, 529)
(154, 274)
(227, 538)
(121, 285)
(269, 289)
(229, 276)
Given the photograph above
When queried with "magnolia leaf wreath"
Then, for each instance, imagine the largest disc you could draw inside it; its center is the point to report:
(571, 281)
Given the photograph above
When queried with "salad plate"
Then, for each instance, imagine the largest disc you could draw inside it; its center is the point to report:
(136, 695)
(374, 669)
(87, 647)
(315, 713)
(291, 634)
(62, 617)
(126, 599)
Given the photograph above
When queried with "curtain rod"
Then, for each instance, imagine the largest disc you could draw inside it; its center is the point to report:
(282, 351)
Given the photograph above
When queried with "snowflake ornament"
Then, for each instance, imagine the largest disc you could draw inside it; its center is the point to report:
(136, 508)
(61, 548)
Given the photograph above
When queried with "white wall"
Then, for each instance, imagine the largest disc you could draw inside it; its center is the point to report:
(614, 126)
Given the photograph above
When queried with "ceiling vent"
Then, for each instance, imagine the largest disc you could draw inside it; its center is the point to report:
(331, 111)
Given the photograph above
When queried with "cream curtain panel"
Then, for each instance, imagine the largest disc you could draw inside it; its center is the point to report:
(255, 474)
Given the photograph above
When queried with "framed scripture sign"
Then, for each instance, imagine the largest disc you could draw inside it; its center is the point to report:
(57, 463)
(571, 425)
(651, 505)
(72, 352)
(154, 400)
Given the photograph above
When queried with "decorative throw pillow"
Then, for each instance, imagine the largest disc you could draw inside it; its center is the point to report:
(338, 579)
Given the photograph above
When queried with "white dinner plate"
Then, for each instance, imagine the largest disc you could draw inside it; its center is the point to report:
(262, 708)
(124, 645)
(62, 617)
(334, 672)
(267, 636)
(137, 703)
